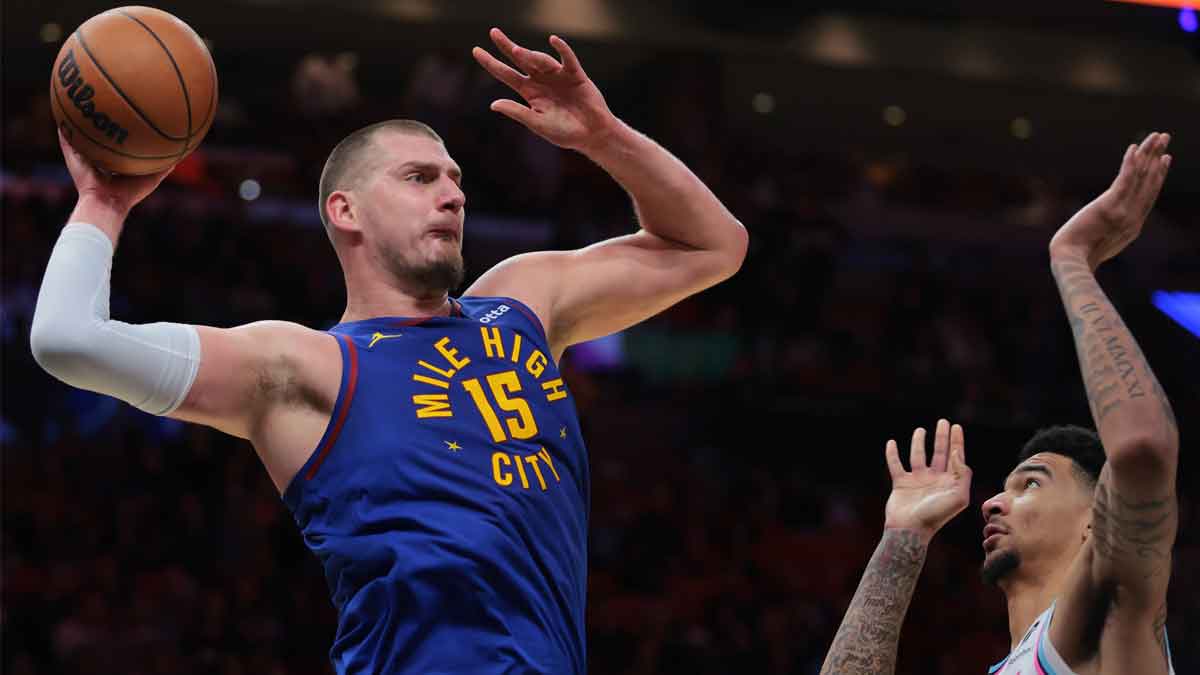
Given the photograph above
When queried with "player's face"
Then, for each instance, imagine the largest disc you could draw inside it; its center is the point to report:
(1038, 520)
(412, 211)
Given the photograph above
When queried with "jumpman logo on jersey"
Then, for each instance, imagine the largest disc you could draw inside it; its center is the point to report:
(380, 336)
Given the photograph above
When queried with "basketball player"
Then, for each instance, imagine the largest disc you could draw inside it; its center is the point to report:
(1080, 538)
(426, 445)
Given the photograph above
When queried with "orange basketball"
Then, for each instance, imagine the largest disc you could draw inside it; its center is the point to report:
(134, 90)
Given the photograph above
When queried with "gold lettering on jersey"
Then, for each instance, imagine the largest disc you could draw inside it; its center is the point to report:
(433, 405)
(555, 389)
(533, 462)
(493, 343)
(417, 377)
(444, 373)
(502, 478)
(516, 350)
(451, 354)
(536, 363)
(502, 473)
(438, 405)
(549, 462)
(498, 345)
(521, 471)
(499, 397)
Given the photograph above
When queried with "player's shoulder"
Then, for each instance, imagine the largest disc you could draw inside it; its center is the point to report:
(275, 331)
(283, 340)
(523, 273)
(529, 278)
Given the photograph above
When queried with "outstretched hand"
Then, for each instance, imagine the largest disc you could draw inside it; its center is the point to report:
(564, 106)
(120, 193)
(1108, 224)
(926, 497)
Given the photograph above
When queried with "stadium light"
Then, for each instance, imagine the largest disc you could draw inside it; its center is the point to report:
(1182, 306)
(1181, 4)
(1187, 20)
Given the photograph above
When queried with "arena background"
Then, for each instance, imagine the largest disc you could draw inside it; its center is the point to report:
(900, 171)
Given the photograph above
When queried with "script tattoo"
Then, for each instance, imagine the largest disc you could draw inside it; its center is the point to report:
(1115, 371)
(1160, 625)
(1137, 533)
(869, 636)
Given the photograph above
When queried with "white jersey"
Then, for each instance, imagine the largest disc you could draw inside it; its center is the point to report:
(1035, 655)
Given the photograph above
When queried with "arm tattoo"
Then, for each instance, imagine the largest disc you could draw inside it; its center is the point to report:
(1160, 625)
(869, 636)
(1115, 372)
(1134, 534)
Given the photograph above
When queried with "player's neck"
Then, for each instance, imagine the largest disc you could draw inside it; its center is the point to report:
(1028, 595)
(367, 299)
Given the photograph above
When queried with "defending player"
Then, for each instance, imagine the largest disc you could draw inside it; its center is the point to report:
(426, 445)
(1080, 538)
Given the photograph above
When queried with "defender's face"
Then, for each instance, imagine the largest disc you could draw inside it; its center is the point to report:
(1040, 516)
(412, 206)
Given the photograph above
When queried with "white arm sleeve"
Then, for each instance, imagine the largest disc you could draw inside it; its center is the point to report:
(150, 366)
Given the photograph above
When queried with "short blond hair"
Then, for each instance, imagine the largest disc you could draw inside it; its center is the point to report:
(343, 168)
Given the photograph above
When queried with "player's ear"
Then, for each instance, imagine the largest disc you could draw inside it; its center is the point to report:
(341, 212)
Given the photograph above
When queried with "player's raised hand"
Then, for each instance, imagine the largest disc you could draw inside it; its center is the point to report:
(926, 497)
(118, 193)
(564, 106)
(1104, 227)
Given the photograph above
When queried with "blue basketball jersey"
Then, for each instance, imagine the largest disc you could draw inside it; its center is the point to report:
(448, 499)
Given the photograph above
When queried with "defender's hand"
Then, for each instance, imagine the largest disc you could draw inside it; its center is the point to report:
(927, 497)
(1103, 228)
(108, 191)
(565, 107)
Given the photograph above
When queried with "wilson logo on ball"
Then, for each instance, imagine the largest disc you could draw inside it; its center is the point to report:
(81, 94)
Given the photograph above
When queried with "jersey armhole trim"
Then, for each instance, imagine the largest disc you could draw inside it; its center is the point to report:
(345, 398)
(1043, 660)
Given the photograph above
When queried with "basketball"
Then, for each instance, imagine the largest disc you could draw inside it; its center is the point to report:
(134, 90)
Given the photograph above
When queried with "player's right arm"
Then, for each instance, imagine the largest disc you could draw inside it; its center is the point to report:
(265, 382)
(922, 501)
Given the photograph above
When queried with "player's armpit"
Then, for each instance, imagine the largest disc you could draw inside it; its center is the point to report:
(248, 371)
(606, 287)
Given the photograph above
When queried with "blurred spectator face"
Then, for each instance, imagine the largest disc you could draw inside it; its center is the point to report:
(324, 87)
(410, 210)
(1037, 524)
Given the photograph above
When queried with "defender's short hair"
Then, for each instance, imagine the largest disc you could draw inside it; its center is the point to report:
(1081, 445)
(343, 168)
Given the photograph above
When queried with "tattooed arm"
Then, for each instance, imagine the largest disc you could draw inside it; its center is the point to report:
(922, 501)
(869, 636)
(1134, 515)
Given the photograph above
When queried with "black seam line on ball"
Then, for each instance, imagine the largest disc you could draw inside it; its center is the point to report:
(116, 87)
(212, 100)
(67, 117)
(187, 101)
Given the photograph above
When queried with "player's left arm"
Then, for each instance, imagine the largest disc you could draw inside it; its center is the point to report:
(1127, 563)
(688, 240)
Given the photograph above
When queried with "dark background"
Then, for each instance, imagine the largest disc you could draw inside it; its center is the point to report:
(897, 274)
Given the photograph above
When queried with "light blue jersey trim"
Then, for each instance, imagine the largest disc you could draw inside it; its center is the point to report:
(1043, 662)
(1167, 649)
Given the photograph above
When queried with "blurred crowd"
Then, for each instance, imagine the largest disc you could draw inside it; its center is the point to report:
(879, 294)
